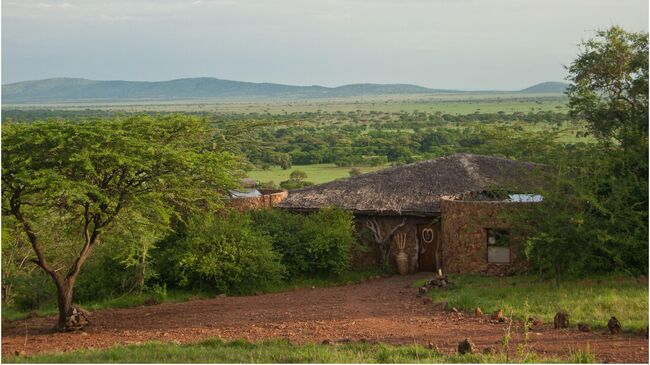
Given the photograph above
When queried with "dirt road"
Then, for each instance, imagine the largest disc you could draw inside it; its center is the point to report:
(384, 310)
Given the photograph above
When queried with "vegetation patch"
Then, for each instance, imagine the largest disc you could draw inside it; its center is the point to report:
(592, 301)
(217, 351)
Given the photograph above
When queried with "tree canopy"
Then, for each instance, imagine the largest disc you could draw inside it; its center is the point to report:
(67, 183)
(595, 214)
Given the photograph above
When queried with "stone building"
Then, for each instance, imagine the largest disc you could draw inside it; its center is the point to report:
(445, 212)
(252, 199)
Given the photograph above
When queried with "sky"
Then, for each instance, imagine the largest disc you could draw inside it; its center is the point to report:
(451, 44)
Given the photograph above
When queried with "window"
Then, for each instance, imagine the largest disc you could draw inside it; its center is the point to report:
(498, 246)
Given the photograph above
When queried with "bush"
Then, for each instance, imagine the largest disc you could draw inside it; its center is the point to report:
(104, 276)
(32, 290)
(330, 234)
(221, 253)
(284, 230)
(355, 171)
(315, 244)
(298, 175)
(292, 184)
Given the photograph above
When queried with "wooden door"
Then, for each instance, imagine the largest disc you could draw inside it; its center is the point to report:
(429, 240)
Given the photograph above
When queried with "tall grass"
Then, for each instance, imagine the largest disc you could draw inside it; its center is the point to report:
(592, 301)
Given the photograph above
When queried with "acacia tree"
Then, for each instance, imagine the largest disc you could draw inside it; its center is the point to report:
(68, 183)
(609, 87)
(595, 213)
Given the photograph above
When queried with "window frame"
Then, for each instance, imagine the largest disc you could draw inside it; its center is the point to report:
(493, 243)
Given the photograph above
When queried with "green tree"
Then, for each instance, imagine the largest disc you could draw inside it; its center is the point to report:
(610, 86)
(284, 160)
(67, 184)
(595, 214)
(298, 175)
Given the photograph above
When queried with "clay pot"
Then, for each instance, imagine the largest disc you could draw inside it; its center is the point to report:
(402, 261)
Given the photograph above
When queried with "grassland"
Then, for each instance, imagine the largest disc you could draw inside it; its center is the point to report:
(217, 351)
(445, 103)
(592, 301)
(318, 173)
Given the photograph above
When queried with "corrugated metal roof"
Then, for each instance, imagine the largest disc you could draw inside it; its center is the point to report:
(247, 193)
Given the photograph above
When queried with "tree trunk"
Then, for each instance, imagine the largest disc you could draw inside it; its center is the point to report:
(6, 292)
(143, 269)
(64, 296)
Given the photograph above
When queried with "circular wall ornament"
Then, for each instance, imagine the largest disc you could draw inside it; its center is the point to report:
(427, 235)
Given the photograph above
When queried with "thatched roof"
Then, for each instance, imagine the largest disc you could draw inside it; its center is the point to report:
(416, 189)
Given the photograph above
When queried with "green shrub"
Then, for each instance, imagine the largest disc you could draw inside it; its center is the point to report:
(104, 276)
(31, 290)
(221, 253)
(293, 184)
(331, 235)
(314, 244)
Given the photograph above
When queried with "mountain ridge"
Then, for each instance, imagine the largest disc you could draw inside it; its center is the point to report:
(65, 89)
(546, 87)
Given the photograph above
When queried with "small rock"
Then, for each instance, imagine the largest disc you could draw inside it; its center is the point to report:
(454, 309)
(426, 300)
(561, 320)
(466, 347)
(313, 287)
(584, 327)
(534, 322)
(77, 319)
(423, 290)
(478, 312)
(614, 326)
(498, 316)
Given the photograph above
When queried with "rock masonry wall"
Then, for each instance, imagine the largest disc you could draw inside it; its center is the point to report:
(464, 237)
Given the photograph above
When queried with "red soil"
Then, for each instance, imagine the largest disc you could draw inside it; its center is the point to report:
(384, 310)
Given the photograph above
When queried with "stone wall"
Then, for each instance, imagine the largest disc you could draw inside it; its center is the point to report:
(268, 199)
(464, 237)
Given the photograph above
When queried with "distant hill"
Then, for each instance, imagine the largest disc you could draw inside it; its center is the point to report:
(83, 90)
(547, 87)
